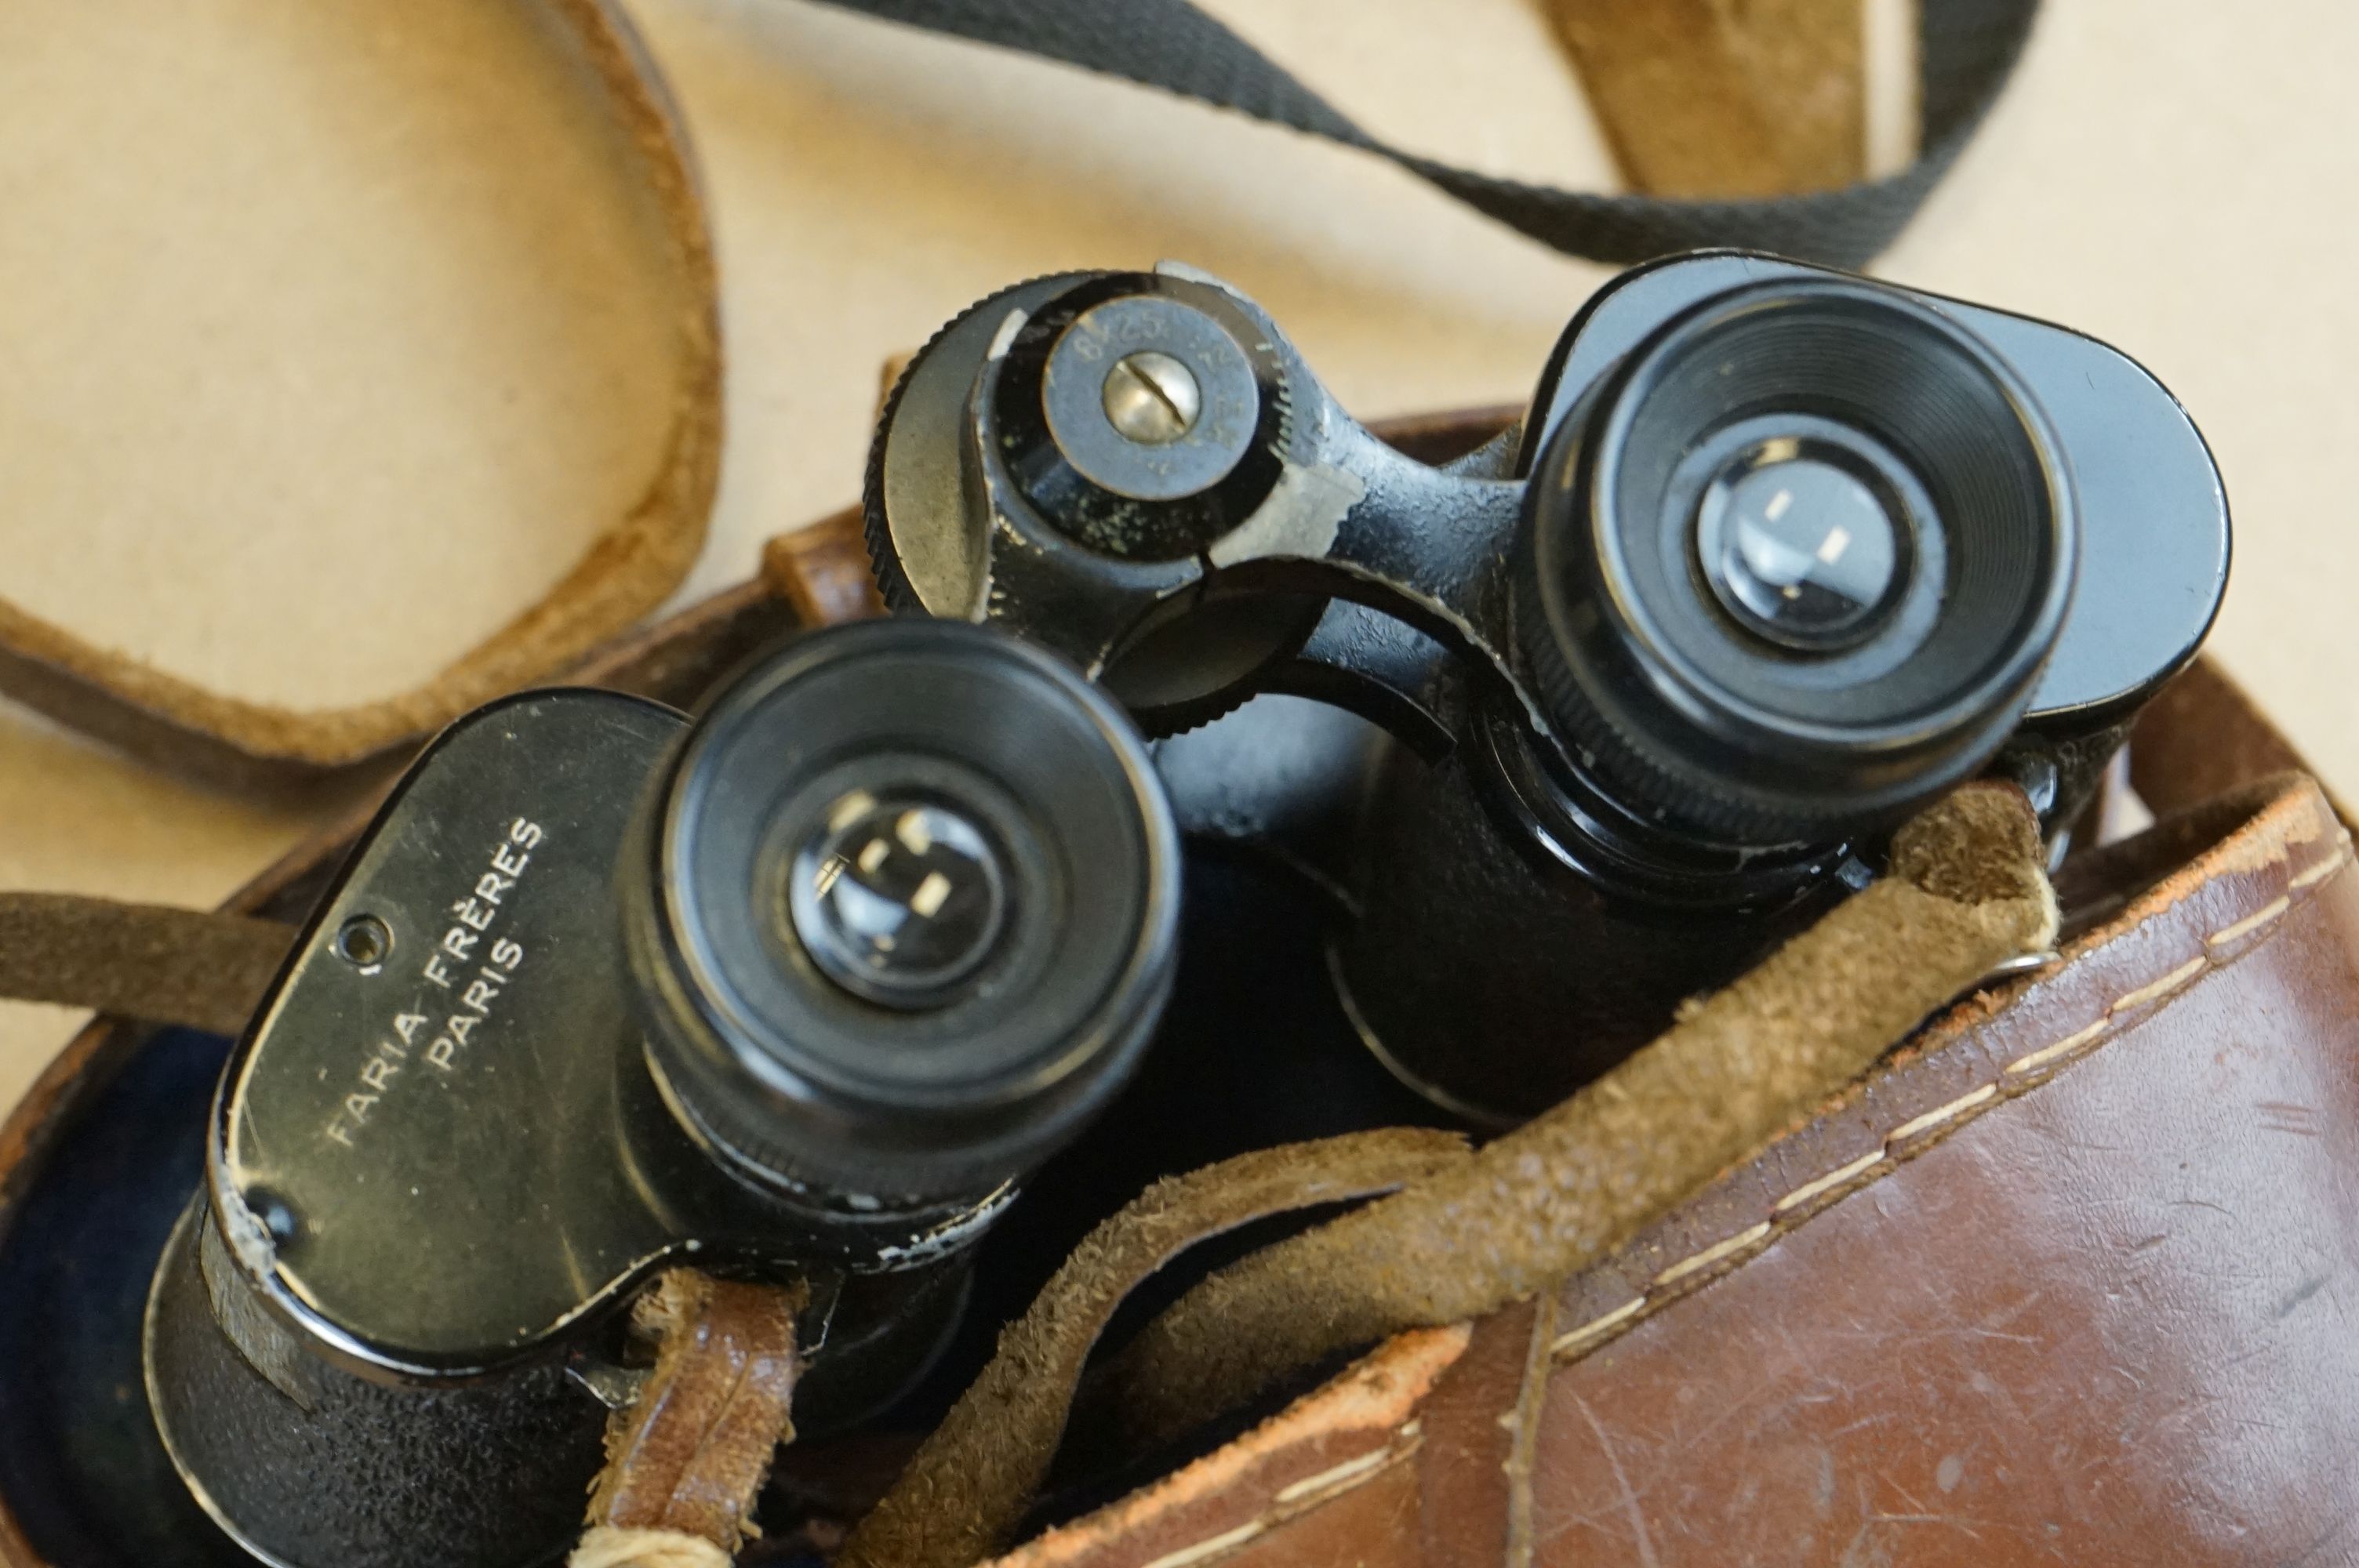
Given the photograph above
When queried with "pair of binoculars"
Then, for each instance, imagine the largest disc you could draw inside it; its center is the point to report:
(1564, 730)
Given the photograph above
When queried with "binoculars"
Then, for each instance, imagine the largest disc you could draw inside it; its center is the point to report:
(1562, 732)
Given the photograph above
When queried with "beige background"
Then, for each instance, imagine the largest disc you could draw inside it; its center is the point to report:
(345, 344)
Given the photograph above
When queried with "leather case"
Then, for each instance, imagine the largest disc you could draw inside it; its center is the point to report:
(2064, 1278)
(2059, 1284)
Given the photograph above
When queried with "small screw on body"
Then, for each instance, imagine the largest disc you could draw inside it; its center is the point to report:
(274, 1215)
(363, 942)
(1151, 398)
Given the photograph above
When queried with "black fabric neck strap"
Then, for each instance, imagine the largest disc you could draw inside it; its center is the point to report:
(1966, 48)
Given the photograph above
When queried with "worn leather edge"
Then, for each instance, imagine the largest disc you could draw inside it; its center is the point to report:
(1574, 1185)
(1988, 1052)
(689, 1457)
(138, 960)
(178, 724)
(1708, 100)
(2202, 736)
(1329, 1443)
(973, 1476)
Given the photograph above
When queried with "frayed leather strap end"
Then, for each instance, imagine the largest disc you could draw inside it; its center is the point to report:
(604, 1546)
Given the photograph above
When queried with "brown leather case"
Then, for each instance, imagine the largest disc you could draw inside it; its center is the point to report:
(2066, 1283)
(2067, 1280)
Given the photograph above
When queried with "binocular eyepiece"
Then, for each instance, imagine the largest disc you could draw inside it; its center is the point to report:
(1799, 565)
(904, 911)
(799, 989)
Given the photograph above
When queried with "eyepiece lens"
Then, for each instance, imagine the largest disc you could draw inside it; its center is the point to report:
(1808, 553)
(898, 898)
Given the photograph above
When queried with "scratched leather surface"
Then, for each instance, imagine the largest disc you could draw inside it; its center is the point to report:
(2080, 1290)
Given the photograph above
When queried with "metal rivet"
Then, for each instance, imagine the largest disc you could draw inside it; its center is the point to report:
(1151, 398)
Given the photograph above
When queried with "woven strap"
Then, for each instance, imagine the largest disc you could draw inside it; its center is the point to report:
(1966, 50)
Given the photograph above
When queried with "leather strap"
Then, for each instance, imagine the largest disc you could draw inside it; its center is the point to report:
(1702, 98)
(630, 568)
(685, 1460)
(1964, 894)
(137, 960)
(974, 1475)
(2205, 737)
(1471, 1234)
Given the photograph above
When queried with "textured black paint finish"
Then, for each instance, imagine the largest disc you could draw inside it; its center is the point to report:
(372, 1476)
(1505, 984)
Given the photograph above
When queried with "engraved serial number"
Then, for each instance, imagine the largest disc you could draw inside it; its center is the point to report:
(470, 966)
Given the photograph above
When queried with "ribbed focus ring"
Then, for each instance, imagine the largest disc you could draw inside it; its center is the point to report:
(1622, 612)
(826, 1003)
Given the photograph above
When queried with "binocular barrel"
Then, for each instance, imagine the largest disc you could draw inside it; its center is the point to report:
(797, 989)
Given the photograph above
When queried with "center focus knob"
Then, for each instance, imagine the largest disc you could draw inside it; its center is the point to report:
(898, 898)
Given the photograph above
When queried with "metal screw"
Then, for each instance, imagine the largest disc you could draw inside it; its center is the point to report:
(363, 942)
(276, 1215)
(1151, 398)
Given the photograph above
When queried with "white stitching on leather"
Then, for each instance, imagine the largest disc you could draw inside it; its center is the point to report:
(1597, 1326)
(1940, 1114)
(1711, 1254)
(2264, 916)
(1333, 1476)
(2326, 868)
(2032, 1061)
(1302, 1496)
(1206, 1548)
(2158, 988)
(1833, 1178)
(1316, 1490)
(1585, 1337)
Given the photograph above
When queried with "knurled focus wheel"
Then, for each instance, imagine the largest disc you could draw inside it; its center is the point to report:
(1139, 415)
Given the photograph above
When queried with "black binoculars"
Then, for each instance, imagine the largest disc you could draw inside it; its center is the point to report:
(1564, 732)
